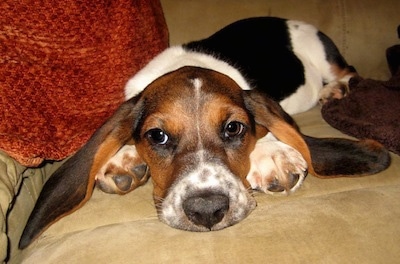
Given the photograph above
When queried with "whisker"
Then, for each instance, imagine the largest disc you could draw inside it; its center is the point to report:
(158, 205)
(251, 190)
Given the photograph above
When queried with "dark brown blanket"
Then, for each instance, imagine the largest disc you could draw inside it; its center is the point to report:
(371, 110)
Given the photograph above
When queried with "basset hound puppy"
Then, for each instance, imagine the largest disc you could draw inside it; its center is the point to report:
(209, 121)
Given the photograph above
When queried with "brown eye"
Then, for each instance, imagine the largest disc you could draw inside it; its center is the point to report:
(233, 129)
(157, 136)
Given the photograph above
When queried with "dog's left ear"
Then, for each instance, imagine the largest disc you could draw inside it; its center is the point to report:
(72, 184)
(326, 157)
(269, 115)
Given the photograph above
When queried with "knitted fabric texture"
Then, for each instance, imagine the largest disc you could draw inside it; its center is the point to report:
(63, 67)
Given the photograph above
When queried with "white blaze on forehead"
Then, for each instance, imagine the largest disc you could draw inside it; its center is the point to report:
(198, 83)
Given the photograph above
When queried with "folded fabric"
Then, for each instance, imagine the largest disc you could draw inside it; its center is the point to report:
(371, 110)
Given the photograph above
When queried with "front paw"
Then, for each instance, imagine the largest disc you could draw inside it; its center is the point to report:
(123, 173)
(276, 168)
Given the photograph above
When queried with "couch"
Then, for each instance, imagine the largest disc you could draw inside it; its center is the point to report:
(343, 220)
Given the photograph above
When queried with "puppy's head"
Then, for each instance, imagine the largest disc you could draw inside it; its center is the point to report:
(195, 130)
(196, 136)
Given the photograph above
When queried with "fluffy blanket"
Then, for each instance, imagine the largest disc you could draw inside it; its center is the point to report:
(63, 66)
(371, 110)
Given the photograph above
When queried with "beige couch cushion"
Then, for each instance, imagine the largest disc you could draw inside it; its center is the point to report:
(325, 221)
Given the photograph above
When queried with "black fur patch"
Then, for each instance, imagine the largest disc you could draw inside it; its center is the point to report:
(265, 59)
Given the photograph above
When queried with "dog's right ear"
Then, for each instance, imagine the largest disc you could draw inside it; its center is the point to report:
(72, 184)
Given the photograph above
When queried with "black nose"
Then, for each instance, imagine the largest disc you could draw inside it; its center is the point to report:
(207, 209)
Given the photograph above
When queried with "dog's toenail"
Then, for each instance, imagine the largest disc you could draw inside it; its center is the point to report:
(123, 182)
(275, 186)
(140, 171)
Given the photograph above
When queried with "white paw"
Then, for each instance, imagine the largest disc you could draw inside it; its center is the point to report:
(124, 172)
(333, 90)
(276, 167)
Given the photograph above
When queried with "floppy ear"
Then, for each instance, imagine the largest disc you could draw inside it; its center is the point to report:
(269, 114)
(72, 184)
(326, 157)
(339, 157)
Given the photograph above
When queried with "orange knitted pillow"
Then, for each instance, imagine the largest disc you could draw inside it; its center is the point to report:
(63, 67)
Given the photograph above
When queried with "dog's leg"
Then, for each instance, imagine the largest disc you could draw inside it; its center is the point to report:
(336, 72)
(276, 167)
(124, 172)
(336, 89)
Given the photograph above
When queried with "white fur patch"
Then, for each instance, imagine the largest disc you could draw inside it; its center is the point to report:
(174, 58)
(198, 83)
(309, 49)
(210, 178)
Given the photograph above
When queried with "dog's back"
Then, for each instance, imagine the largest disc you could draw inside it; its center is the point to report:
(288, 60)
